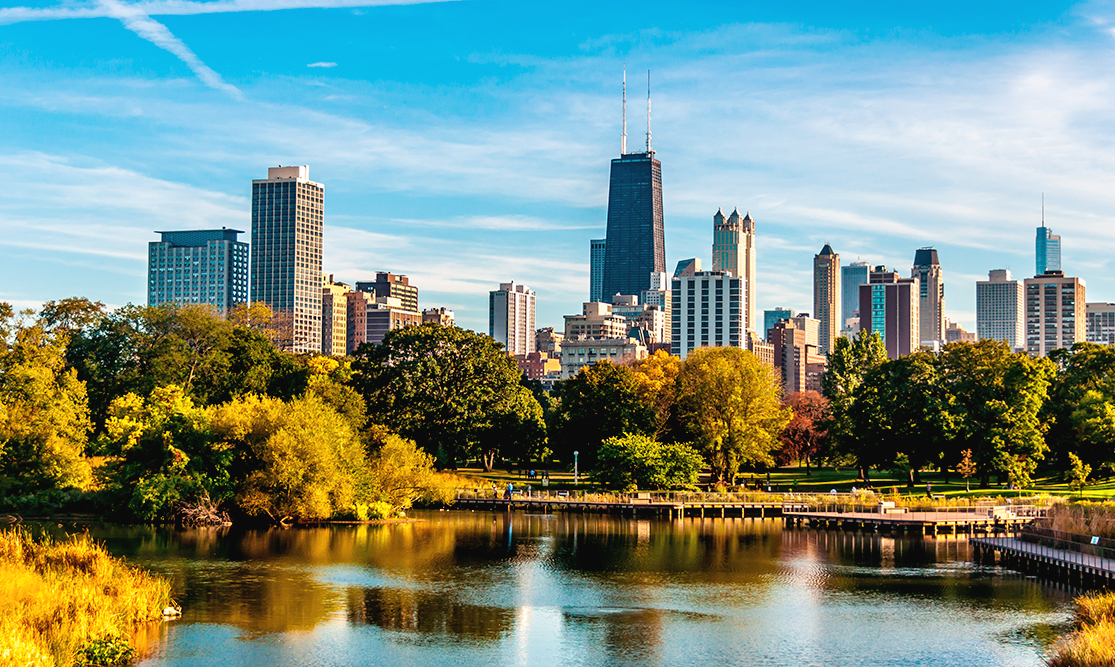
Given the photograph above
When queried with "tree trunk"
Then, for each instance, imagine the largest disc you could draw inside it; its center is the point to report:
(910, 474)
(489, 460)
(945, 472)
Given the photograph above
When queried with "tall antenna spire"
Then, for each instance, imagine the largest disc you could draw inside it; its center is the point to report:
(1043, 209)
(623, 137)
(648, 113)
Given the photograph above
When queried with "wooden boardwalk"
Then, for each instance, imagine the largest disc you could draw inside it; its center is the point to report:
(634, 507)
(984, 520)
(1082, 569)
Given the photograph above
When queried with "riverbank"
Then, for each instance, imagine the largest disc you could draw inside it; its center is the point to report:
(1092, 644)
(70, 602)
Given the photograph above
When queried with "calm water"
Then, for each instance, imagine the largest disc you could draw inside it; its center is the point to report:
(464, 588)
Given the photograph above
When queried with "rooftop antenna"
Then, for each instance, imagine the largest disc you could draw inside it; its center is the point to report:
(649, 151)
(1043, 209)
(623, 137)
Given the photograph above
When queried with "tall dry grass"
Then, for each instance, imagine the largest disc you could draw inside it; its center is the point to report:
(1083, 518)
(58, 596)
(1092, 644)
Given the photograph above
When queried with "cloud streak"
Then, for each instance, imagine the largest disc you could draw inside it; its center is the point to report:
(186, 8)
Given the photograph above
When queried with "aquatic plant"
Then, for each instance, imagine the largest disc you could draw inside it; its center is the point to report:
(1092, 644)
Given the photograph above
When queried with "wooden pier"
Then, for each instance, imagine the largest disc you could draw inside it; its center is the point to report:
(990, 520)
(634, 507)
(1075, 564)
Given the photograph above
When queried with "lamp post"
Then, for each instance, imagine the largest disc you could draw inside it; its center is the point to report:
(576, 477)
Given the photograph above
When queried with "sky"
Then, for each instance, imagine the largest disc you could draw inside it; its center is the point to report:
(468, 143)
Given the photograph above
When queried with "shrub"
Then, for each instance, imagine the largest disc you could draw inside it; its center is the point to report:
(632, 462)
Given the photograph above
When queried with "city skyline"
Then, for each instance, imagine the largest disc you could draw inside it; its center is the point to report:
(810, 155)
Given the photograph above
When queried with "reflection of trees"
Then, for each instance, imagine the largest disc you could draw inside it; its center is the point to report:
(629, 636)
(426, 612)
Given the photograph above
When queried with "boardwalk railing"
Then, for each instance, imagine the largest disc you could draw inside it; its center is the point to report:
(1068, 542)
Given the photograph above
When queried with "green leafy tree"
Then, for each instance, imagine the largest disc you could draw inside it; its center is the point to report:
(998, 395)
(399, 473)
(161, 452)
(1094, 425)
(439, 386)
(602, 401)
(1078, 473)
(849, 363)
(1085, 373)
(516, 430)
(730, 403)
(298, 459)
(633, 462)
(44, 411)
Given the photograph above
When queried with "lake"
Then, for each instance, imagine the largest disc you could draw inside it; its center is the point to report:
(476, 588)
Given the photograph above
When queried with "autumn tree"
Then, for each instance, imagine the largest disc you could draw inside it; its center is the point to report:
(804, 436)
(966, 468)
(657, 380)
(398, 474)
(729, 402)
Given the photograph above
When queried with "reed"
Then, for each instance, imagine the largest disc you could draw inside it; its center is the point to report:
(1083, 518)
(1092, 644)
(70, 602)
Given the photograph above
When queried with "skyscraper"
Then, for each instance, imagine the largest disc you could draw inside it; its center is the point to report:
(1000, 309)
(596, 269)
(733, 250)
(708, 312)
(889, 307)
(287, 219)
(826, 291)
(1047, 250)
(931, 308)
(1055, 308)
(851, 277)
(511, 317)
(774, 316)
(636, 245)
(198, 267)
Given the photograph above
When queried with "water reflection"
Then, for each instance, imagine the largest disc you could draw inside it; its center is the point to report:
(495, 588)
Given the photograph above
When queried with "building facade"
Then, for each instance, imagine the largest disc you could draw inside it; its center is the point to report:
(1000, 309)
(636, 245)
(575, 355)
(797, 357)
(203, 267)
(370, 317)
(707, 312)
(646, 323)
(1047, 251)
(442, 316)
(851, 277)
(660, 295)
(596, 269)
(287, 221)
(595, 321)
(954, 333)
(733, 250)
(334, 317)
(1055, 307)
(394, 286)
(889, 307)
(539, 365)
(931, 305)
(774, 316)
(1100, 323)
(511, 317)
(826, 295)
(549, 341)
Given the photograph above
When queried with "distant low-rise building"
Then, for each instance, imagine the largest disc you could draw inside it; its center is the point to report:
(370, 317)
(646, 323)
(797, 357)
(888, 305)
(442, 316)
(334, 317)
(577, 354)
(392, 285)
(539, 365)
(954, 333)
(549, 341)
(595, 321)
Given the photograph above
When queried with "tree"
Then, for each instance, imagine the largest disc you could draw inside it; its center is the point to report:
(1084, 368)
(998, 395)
(804, 436)
(633, 462)
(439, 386)
(399, 473)
(966, 468)
(657, 377)
(299, 459)
(914, 411)
(729, 402)
(516, 430)
(1078, 473)
(44, 412)
(602, 401)
(1093, 420)
(849, 363)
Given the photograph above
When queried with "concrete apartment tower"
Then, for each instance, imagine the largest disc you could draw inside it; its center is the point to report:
(1100, 323)
(287, 220)
(1000, 309)
(334, 317)
(851, 277)
(511, 317)
(392, 285)
(596, 269)
(1055, 308)
(203, 267)
(888, 305)
(826, 292)
(733, 250)
(931, 309)
(708, 312)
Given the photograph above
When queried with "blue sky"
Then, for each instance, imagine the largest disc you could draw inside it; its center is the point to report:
(467, 143)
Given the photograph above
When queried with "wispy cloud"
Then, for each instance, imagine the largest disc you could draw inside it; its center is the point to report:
(185, 8)
(322, 64)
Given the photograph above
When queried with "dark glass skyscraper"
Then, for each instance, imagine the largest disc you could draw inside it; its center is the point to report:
(636, 245)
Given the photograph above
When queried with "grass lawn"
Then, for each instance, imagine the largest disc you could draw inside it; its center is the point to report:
(821, 480)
